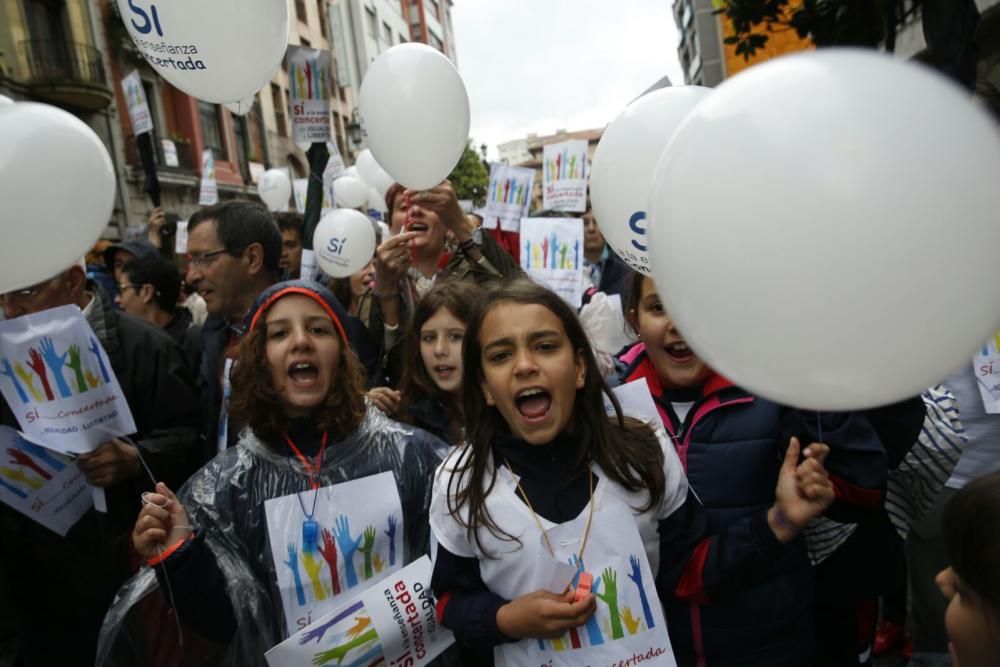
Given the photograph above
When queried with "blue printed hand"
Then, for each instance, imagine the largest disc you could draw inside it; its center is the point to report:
(96, 351)
(348, 547)
(391, 534)
(593, 628)
(293, 565)
(13, 489)
(5, 369)
(76, 364)
(39, 453)
(55, 362)
(636, 577)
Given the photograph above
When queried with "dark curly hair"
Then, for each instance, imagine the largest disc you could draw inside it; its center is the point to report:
(256, 403)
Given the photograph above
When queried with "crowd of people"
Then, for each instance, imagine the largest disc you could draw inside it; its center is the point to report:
(762, 533)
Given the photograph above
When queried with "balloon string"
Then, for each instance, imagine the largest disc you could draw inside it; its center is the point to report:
(819, 426)
(166, 577)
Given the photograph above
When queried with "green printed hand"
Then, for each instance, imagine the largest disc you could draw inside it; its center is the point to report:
(366, 548)
(313, 567)
(76, 365)
(610, 598)
(338, 653)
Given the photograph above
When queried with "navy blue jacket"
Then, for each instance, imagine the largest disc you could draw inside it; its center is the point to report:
(731, 445)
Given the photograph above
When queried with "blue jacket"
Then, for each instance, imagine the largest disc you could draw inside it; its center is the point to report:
(731, 445)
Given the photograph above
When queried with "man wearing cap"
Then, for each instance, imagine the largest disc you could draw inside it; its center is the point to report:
(65, 584)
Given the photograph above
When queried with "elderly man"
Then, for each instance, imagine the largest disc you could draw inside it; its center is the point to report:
(60, 587)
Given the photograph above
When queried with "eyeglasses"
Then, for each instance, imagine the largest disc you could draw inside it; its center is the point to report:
(125, 286)
(204, 258)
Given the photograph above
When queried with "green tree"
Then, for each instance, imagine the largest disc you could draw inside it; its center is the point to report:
(826, 22)
(470, 177)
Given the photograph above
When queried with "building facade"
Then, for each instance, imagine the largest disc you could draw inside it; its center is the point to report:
(528, 152)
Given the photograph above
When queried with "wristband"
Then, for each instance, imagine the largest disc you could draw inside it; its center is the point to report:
(168, 552)
(782, 520)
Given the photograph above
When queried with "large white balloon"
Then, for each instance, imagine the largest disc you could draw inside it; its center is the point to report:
(344, 242)
(274, 189)
(415, 114)
(626, 157)
(376, 202)
(382, 181)
(219, 51)
(825, 228)
(5, 100)
(349, 192)
(57, 185)
(367, 167)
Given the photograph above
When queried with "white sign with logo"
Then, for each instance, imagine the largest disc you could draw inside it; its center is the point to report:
(552, 254)
(169, 153)
(138, 107)
(310, 86)
(209, 193)
(564, 176)
(508, 197)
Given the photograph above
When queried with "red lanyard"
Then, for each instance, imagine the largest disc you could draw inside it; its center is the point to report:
(312, 470)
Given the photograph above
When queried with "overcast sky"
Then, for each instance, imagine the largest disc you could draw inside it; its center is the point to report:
(542, 65)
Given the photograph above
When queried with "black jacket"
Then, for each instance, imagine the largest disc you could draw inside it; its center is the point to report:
(83, 570)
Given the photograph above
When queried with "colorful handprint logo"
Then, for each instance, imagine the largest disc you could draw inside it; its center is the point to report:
(47, 372)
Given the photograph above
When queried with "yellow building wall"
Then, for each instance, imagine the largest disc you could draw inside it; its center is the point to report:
(12, 32)
(780, 41)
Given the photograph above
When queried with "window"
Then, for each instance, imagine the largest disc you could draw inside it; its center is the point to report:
(211, 129)
(435, 8)
(402, 39)
(387, 33)
(300, 10)
(435, 42)
(372, 23)
(278, 102)
(321, 12)
(240, 134)
(305, 42)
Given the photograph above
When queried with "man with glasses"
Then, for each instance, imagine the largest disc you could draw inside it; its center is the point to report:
(149, 289)
(83, 570)
(234, 251)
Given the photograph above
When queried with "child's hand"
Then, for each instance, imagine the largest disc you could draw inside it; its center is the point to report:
(162, 522)
(543, 615)
(804, 490)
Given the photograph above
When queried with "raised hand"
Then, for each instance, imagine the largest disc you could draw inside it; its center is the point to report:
(37, 364)
(5, 369)
(594, 633)
(55, 362)
(92, 380)
(328, 550)
(112, 462)
(293, 565)
(348, 546)
(163, 521)
(804, 490)
(391, 534)
(610, 598)
(366, 549)
(313, 567)
(385, 399)
(76, 365)
(38, 452)
(543, 615)
(356, 629)
(13, 489)
(631, 623)
(95, 349)
(338, 653)
(378, 563)
(317, 632)
(20, 476)
(29, 381)
(441, 200)
(20, 458)
(636, 577)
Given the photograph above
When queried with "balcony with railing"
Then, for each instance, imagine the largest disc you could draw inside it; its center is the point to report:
(65, 73)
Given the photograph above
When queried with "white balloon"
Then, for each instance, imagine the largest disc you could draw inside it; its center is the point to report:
(352, 171)
(242, 107)
(344, 242)
(219, 51)
(376, 202)
(382, 181)
(367, 167)
(825, 228)
(57, 185)
(415, 114)
(349, 192)
(274, 189)
(621, 175)
(4, 100)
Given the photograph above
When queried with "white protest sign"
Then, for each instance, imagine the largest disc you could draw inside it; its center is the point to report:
(564, 176)
(508, 196)
(300, 186)
(138, 107)
(552, 254)
(345, 548)
(335, 165)
(986, 369)
(181, 240)
(59, 382)
(307, 267)
(42, 485)
(310, 85)
(209, 193)
(170, 158)
(390, 624)
(256, 171)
